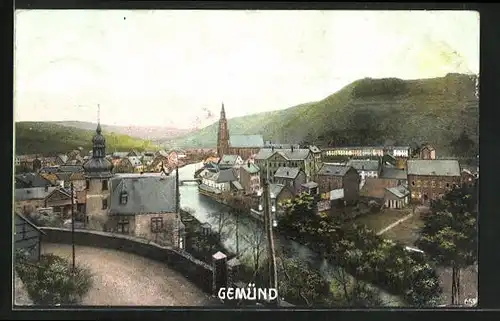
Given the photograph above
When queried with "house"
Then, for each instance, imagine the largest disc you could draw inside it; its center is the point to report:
(61, 159)
(396, 197)
(25, 162)
(354, 152)
(278, 194)
(68, 174)
(311, 188)
(398, 151)
(27, 236)
(223, 181)
(130, 164)
(427, 152)
(431, 178)
(397, 174)
(26, 200)
(250, 178)
(269, 160)
(374, 188)
(366, 168)
(332, 177)
(146, 205)
(270, 144)
(160, 157)
(316, 153)
(119, 155)
(293, 177)
(29, 180)
(230, 161)
(60, 201)
(134, 153)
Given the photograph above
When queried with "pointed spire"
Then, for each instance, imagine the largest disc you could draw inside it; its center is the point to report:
(222, 111)
(98, 129)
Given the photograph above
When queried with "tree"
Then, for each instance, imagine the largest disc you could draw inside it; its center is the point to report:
(52, 280)
(255, 241)
(449, 234)
(347, 291)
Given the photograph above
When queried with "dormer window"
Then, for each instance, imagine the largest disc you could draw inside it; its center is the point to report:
(123, 198)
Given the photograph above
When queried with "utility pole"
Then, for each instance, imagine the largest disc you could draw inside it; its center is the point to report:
(237, 233)
(271, 255)
(73, 224)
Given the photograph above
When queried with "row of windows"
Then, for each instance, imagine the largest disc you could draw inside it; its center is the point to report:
(419, 183)
(156, 225)
(348, 152)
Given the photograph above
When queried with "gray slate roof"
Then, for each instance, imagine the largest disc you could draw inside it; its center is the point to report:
(228, 160)
(251, 168)
(398, 191)
(294, 154)
(28, 180)
(365, 165)
(71, 168)
(333, 170)
(287, 172)
(225, 176)
(237, 185)
(275, 190)
(25, 194)
(264, 153)
(147, 193)
(242, 141)
(434, 167)
(393, 173)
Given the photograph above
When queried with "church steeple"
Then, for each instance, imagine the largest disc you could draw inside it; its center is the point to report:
(98, 165)
(223, 134)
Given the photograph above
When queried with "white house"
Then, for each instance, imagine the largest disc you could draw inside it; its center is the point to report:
(221, 180)
(366, 168)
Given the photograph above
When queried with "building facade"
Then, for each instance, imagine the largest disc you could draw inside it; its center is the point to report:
(430, 179)
(332, 177)
(250, 178)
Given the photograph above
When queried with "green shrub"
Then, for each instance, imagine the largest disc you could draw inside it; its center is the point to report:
(51, 280)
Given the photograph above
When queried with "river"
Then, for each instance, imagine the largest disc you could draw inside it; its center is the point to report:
(251, 235)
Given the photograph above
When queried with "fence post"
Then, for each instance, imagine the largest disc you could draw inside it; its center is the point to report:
(220, 275)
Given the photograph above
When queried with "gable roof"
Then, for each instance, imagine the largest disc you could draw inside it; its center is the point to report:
(147, 193)
(333, 170)
(29, 180)
(24, 218)
(364, 164)
(34, 193)
(237, 185)
(398, 191)
(225, 176)
(433, 167)
(134, 160)
(250, 168)
(294, 154)
(287, 172)
(63, 191)
(264, 153)
(314, 149)
(229, 160)
(71, 168)
(375, 187)
(64, 158)
(245, 141)
(393, 173)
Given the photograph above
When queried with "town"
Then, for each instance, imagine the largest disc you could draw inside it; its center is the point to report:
(137, 193)
(246, 159)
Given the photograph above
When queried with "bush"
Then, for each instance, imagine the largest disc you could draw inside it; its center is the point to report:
(51, 280)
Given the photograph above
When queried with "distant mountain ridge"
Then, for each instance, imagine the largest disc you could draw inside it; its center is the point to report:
(143, 132)
(367, 112)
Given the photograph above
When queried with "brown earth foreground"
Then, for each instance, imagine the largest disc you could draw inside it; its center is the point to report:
(126, 279)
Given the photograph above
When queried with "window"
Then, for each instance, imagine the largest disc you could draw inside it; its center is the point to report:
(104, 185)
(123, 198)
(123, 226)
(447, 185)
(156, 224)
(413, 183)
(433, 183)
(87, 184)
(104, 204)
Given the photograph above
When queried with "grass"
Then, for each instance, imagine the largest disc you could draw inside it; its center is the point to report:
(382, 219)
(48, 139)
(368, 111)
(406, 232)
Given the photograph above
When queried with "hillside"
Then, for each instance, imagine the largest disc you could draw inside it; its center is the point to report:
(143, 132)
(48, 138)
(369, 111)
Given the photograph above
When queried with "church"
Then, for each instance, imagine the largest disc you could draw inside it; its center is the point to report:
(242, 145)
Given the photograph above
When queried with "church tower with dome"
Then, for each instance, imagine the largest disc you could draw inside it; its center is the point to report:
(98, 172)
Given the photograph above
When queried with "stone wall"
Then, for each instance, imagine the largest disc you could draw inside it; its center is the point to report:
(197, 272)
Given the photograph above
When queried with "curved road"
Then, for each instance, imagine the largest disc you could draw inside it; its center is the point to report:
(122, 278)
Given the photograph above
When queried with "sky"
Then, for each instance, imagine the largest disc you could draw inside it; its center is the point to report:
(175, 68)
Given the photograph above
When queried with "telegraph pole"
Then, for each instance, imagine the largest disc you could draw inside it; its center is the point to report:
(271, 255)
(73, 223)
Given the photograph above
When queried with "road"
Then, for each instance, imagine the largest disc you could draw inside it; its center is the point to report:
(122, 278)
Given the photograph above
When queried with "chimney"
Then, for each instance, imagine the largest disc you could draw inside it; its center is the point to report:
(248, 164)
(292, 148)
(272, 148)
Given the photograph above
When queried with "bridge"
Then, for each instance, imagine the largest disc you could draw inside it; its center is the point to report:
(194, 180)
